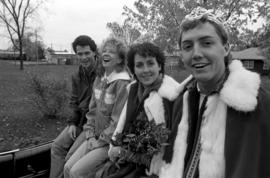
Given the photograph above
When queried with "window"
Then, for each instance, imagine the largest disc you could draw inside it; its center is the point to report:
(248, 64)
(265, 66)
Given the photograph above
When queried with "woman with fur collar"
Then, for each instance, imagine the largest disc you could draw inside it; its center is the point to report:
(151, 95)
(221, 117)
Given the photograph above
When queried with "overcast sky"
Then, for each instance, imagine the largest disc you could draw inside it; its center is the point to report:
(64, 20)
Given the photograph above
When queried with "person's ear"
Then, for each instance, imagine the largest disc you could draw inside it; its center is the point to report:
(227, 57)
(227, 49)
(119, 60)
(96, 56)
(181, 56)
(159, 66)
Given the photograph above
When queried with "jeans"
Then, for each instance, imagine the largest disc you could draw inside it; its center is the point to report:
(86, 160)
(61, 150)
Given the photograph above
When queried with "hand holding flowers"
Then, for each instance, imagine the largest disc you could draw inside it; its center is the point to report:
(140, 142)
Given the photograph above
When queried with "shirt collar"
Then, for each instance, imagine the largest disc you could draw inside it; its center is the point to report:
(123, 75)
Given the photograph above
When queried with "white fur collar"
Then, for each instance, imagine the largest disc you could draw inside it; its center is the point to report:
(153, 105)
(169, 88)
(241, 88)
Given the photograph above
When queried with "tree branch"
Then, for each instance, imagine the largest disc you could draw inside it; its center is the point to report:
(6, 6)
(4, 18)
(173, 14)
(231, 8)
(25, 15)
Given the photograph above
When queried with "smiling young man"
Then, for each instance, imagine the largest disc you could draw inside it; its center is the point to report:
(222, 125)
(82, 81)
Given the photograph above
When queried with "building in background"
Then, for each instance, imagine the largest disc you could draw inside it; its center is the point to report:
(253, 59)
(60, 57)
(11, 55)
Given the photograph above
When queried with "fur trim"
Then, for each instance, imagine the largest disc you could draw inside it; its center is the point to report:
(154, 109)
(156, 164)
(241, 88)
(183, 84)
(169, 88)
(212, 161)
(153, 105)
(175, 169)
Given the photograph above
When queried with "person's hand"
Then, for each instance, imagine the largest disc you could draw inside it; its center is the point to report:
(155, 164)
(114, 153)
(72, 131)
(90, 142)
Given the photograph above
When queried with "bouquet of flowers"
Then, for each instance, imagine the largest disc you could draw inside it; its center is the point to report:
(143, 137)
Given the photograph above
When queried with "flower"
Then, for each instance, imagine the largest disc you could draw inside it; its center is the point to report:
(143, 136)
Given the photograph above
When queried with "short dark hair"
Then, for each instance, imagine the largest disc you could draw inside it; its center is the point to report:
(145, 49)
(187, 25)
(84, 40)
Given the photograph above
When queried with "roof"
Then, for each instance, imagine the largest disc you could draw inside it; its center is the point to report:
(250, 53)
(61, 52)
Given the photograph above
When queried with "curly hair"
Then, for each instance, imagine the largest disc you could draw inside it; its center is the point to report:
(84, 40)
(145, 49)
(121, 49)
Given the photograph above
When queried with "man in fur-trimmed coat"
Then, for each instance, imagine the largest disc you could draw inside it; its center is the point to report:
(222, 121)
(240, 136)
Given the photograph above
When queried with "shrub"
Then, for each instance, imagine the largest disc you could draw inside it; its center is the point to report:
(50, 96)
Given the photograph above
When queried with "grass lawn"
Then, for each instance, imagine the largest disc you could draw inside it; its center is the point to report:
(21, 125)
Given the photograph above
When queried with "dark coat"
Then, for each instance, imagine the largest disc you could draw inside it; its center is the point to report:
(247, 130)
(81, 92)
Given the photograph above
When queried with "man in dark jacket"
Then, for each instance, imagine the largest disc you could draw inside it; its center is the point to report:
(71, 137)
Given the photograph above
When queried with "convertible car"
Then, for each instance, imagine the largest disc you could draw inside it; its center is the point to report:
(32, 162)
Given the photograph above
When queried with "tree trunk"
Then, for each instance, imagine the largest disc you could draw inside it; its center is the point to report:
(21, 53)
(21, 62)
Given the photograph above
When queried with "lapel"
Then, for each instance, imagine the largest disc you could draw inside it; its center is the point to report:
(133, 105)
(193, 102)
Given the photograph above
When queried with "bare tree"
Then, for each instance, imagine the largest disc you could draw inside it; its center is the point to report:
(15, 15)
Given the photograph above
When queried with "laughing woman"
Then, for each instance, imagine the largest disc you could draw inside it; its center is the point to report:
(109, 97)
(145, 120)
